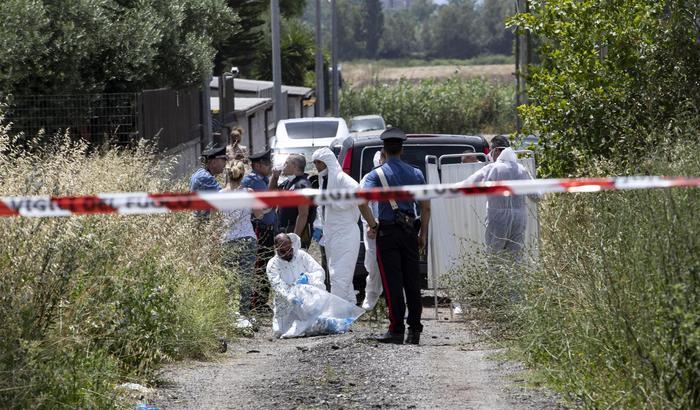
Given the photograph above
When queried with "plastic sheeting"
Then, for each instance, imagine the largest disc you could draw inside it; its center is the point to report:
(458, 225)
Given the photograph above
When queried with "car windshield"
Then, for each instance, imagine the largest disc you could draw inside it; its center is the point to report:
(414, 154)
(367, 124)
(312, 129)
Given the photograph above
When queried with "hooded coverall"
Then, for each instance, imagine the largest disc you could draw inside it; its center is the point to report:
(341, 234)
(506, 216)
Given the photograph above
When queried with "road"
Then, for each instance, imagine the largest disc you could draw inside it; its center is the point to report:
(451, 369)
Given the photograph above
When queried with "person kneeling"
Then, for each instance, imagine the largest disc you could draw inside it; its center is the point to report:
(302, 307)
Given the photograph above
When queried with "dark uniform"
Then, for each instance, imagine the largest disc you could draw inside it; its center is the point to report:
(203, 180)
(265, 232)
(397, 247)
(287, 216)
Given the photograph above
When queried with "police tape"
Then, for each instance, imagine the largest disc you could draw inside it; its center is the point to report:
(145, 203)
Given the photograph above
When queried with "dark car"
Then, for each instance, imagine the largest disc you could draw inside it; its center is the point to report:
(356, 156)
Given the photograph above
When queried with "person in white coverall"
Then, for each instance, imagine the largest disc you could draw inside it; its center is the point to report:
(302, 307)
(506, 216)
(341, 234)
(373, 286)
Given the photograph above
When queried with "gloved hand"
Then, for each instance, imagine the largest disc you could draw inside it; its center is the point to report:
(317, 234)
(303, 279)
(297, 301)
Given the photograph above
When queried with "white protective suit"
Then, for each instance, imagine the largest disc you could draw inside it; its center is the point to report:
(341, 234)
(506, 216)
(305, 309)
(373, 286)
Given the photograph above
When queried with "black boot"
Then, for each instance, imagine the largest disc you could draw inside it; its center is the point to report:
(413, 337)
(390, 337)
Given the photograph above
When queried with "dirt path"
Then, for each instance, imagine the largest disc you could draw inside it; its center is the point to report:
(451, 369)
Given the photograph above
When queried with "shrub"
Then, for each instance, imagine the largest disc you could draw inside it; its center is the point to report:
(611, 313)
(453, 106)
(89, 301)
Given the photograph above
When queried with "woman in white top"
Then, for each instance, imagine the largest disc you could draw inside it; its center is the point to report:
(239, 240)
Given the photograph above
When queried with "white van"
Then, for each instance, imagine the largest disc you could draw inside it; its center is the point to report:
(304, 136)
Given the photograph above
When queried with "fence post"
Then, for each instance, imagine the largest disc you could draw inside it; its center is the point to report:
(206, 112)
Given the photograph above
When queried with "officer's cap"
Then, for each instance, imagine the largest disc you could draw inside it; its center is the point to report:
(393, 134)
(214, 152)
(261, 156)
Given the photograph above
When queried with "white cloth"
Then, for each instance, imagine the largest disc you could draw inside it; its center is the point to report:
(238, 224)
(305, 309)
(373, 284)
(341, 233)
(506, 216)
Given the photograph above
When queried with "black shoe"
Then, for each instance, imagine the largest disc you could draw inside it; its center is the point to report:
(413, 337)
(223, 345)
(390, 337)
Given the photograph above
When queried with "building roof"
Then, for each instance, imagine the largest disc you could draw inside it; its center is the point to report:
(253, 86)
(243, 104)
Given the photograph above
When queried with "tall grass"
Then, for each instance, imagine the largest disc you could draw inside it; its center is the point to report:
(452, 106)
(87, 302)
(611, 313)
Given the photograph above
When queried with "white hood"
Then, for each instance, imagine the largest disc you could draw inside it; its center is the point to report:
(507, 155)
(296, 243)
(336, 217)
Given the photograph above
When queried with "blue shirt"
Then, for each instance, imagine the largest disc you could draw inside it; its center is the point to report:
(397, 173)
(202, 180)
(259, 183)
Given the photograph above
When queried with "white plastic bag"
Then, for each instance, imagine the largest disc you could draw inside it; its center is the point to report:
(312, 311)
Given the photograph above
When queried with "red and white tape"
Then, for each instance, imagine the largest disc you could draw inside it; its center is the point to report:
(145, 203)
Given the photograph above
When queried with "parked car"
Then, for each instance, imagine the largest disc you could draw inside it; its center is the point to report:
(363, 123)
(306, 135)
(356, 157)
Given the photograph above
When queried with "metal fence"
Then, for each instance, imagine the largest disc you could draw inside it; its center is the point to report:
(94, 117)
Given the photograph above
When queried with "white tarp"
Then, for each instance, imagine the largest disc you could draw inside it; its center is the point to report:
(458, 225)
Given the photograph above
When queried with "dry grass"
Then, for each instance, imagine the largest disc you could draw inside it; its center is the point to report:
(90, 301)
(359, 75)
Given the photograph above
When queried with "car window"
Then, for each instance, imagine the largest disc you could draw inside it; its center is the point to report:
(414, 154)
(312, 129)
(368, 124)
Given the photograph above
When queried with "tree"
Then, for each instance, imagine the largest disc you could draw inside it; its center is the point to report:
(373, 19)
(611, 78)
(454, 32)
(297, 49)
(494, 37)
(399, 38)
(69, 47)
(241, 48)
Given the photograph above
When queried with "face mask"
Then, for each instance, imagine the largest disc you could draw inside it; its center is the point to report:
(324, 172)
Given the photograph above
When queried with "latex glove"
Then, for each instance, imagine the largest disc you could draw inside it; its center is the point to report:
(317, 234)
(297, 301)
(303, 279)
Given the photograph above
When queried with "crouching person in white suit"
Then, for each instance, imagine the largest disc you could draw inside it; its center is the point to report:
(302, 307)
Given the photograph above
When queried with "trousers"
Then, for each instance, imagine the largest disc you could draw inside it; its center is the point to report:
(397, 255)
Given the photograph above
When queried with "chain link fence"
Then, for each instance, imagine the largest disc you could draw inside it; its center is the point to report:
(93, 117)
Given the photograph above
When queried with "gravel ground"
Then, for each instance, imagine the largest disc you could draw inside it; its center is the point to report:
(451, 369)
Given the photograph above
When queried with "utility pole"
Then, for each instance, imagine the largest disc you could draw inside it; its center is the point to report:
(334, 59)
(276, 60)
(320, 72)
(522, 59)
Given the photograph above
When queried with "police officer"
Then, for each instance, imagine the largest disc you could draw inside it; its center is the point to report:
(204, 179)
(399, 241)
(258, 180)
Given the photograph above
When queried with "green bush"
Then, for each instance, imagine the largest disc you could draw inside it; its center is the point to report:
(611, 76)
(87, 302)
(453, 106)
(611, 311)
